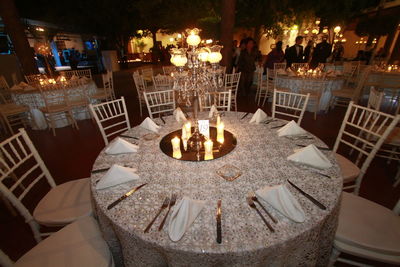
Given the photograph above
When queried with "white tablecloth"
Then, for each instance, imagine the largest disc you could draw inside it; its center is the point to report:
(295, 83)
(34, 100)
(261, 156)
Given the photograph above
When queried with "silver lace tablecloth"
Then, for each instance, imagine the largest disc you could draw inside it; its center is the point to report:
(34, 100)
(295, 83)
(261, 156)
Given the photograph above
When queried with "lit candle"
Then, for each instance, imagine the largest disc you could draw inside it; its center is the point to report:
(214, 57)
(193, 39)
(208, 147)
(220, 133)
(203, 56)
(179, 60)
(218, 120)
(184, 138)
(62, 79)
(188, 128)
(390, 68)
(176, 148)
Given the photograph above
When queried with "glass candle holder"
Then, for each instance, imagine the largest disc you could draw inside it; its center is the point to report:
(176, 148)
(208, 148)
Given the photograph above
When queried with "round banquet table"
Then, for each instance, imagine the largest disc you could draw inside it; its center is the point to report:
(294, 83)
(261, 156)
(34, 100)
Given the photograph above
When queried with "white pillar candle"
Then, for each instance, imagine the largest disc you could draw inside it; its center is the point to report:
(176, 148)
(188, 128)
(184, 138)
(220, 133)
(208, 147)
(218, 120)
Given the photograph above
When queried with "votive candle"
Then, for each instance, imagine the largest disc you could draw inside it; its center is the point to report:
(188, 128)
(218, 120)
(176, 148)
(208, 147)
(184, 138)
(220, 133)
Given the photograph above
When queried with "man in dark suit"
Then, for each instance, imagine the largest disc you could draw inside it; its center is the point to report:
(294, 54)
(321, 52)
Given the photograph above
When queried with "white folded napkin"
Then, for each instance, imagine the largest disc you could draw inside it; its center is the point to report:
(213, 111)
(281, 72)
(310, 155)
(74, 77)
(258, 117)
(183, 216)
(117, 175)
(120, 146)
(281, 199)
(150, 125)
(179, 116)
(21, 85)
(291, 128)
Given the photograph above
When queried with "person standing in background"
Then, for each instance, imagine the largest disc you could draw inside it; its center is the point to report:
(321, 52)
(308, 51)
(238, 50)
(275, 56)
(247, 66)
(294, 54)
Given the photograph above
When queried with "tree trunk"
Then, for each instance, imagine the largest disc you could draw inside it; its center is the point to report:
(227, 24)
(15, 30)
(154, 52)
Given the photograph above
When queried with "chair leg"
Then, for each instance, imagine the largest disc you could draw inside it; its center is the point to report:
(52, 125)
(334, 256)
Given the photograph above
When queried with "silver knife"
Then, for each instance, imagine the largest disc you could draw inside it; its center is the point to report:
(313, 200)
(219, 231)
(245, 115)
(127, 194)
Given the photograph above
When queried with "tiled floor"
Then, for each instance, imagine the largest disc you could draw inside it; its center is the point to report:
(71, 153)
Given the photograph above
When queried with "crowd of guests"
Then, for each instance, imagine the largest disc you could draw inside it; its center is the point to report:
(247, 55)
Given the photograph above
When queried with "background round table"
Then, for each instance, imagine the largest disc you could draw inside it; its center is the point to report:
(294, 83)
(261, 156)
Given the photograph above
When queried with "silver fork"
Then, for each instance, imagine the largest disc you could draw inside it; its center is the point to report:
(254, 198)
(252, 205)
(163, 206)
(171, 204)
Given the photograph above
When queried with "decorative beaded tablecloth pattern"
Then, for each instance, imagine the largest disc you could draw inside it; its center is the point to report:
(261, 156)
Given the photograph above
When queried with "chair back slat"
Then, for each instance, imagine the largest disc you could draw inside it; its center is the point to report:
(375, 98)
(277, 67)
(364, 130)
(160, 102)
(167, 70)
(111, 118)
(222, 100)
(289, 104)
(162, 82)
(3, 84)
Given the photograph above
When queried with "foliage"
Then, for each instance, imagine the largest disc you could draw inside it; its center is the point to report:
(376, 25)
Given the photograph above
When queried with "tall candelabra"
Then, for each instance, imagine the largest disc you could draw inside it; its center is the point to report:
(197, 72)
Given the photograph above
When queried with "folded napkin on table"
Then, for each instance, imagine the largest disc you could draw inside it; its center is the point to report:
(179, 116)
(150, 125)
(84, 79)
(281, 199)
(117, 175)
(213, 111)
(291, 128)
(21, 86)
(74, 77)
(258, 117)
(311, 156)
(184, 214)
(120, 146)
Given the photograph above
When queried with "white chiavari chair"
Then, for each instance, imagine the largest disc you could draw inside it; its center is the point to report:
(160, 102)
(141, 87)
(12, 114)
(162, 82)
(34, 78)
(296, 66)
(68, 74)
(232, 84)
(106, 93)
(350, 72)
(111, 118)
(77, 97)
(167, 70)
(60, 206)
(265, 87)
(78, 244)
(221, 100)
(84, 73)
(289, 104)
(3, 84)
(278, 67)
(56, 106)
(147, 74)
(375, 99)
(363, 130)
(343, 96)
(315, 89)
(366, 230)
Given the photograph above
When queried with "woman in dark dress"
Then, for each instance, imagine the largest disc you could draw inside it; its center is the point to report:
(275, 56)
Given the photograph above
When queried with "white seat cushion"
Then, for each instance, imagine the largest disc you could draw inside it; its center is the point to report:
(367, 225)
(349, 170)
(64, 203)
(78, 244)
